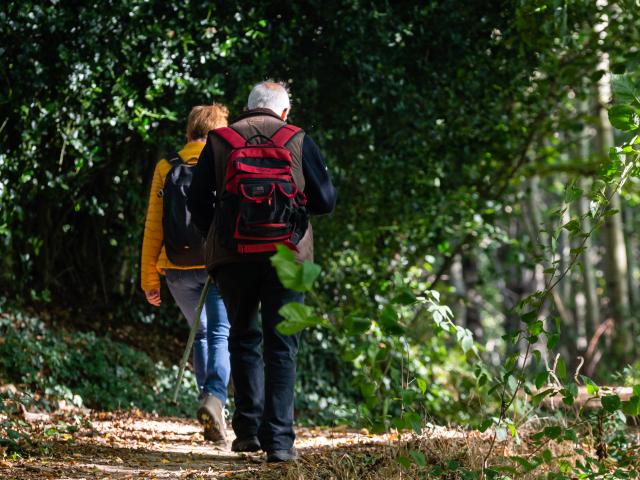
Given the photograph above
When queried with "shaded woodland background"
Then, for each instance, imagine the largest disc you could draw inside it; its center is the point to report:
(454, 131)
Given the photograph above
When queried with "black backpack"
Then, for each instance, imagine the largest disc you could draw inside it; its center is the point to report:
(182, 240)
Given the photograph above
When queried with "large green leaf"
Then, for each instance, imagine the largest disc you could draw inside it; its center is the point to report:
(536, 328)
(404, 297)
(592, 388)
(307, 274)
(422, 385)
(625, 90)
(465, 338)
(631, 407)
(610, 403)
(355, 325)
(293, 275)
(296, 318)
(388, 321)
(541, 379)
(624, 117)
(285, 264)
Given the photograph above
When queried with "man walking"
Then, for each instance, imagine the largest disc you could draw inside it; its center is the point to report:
(264, 176)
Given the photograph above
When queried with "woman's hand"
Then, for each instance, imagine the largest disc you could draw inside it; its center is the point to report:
(153, 296)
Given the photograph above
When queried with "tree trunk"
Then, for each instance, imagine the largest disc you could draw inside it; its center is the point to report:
(543, 248)
(459, 308)
(471, 278)
(631, 244)
(592, 306)
(616, 260)
(511, 280)
(592, 303)
(616, 252)
(564, 247)
(566, 296)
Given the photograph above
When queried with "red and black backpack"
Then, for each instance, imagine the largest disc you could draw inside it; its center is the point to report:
(260, 205)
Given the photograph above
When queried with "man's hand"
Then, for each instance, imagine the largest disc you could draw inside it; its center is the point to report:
(153, 296)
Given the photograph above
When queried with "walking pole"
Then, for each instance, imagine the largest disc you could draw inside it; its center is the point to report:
(192, 336)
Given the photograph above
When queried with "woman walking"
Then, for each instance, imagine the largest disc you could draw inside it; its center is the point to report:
(173, 248)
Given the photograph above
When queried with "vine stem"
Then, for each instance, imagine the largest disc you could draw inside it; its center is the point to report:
(550, 285)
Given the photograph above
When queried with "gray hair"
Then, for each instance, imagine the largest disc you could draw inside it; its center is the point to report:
(271, 95)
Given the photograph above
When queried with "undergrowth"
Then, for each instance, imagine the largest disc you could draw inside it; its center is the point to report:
(45, 370)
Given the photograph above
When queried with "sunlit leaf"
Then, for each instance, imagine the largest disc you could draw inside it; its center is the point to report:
(296, 318)
(624, 117)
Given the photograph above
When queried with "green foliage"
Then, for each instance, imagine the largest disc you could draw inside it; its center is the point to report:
(297, 317)
(389, 400)
(293, 276)
(389, 371)
(85, 370)
(515, 375)
(624, 117)
(443, 89)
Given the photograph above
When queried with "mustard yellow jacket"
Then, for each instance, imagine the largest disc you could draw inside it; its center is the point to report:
(154, 259)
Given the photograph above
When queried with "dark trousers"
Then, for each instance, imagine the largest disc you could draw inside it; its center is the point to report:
(263, 381)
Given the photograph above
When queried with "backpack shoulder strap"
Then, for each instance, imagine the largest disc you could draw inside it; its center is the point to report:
(284, 134)
(173, 158)
(230, 136)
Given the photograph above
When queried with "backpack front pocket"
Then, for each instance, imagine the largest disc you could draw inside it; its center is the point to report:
(265, 211)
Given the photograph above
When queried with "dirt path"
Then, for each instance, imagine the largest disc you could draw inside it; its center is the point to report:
(135, 445)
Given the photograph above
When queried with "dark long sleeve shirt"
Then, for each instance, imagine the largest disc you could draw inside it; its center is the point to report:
(319, 190)
(201, 196)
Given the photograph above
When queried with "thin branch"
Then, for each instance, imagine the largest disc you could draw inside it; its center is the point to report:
(551, 284)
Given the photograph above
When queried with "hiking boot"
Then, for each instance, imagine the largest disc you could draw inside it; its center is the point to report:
(250, 444)
(275, 456)
(211, 417)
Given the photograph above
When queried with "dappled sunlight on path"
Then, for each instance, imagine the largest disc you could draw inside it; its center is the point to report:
(131, 446)
(137, 445)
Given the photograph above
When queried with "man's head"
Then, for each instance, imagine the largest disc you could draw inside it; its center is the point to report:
(271, 95)
(204, 118)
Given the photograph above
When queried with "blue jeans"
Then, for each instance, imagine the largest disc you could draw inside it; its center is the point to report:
(263, 361)
(210, 347)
